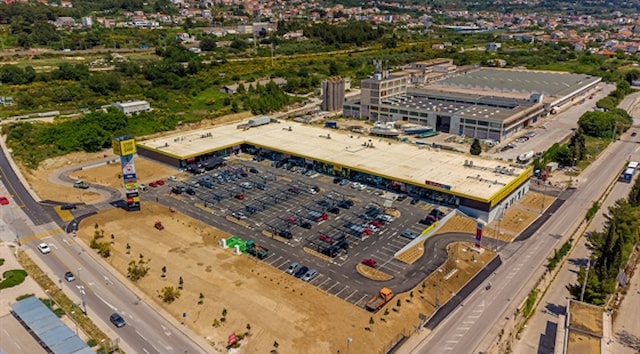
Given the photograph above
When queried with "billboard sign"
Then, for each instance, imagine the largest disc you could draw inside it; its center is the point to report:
(123, 146)
(479, 227)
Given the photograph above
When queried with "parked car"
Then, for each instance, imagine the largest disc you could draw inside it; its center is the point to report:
(439, 214)
(238, 215)
(300, 272)
(253, 170)
(172, 178)
(284, 233)
(292, 268)
(160, 182)
(153, 184)
(117, 320)
(409, 234)
(44, 248)
(401, 198)
(68, 207)
(310, 275)
(68, 276)
(239, 196)
(334, 210)
(370, 262)
(634, 133)
(305, 225)
(4, 200)
(415, 201)
(190, 191)
(344, 182)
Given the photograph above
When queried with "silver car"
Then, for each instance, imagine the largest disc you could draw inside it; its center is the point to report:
(292, 268)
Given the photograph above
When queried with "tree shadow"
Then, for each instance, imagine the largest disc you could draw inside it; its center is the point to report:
(580, 262)
(547, 341)
(556, 309)
(629, 340)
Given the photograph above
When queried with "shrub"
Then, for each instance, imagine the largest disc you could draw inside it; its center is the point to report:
(12, 278)
(92, 342)
(170, 294)
(24, 296)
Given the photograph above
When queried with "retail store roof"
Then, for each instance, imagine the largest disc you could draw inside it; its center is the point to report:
(459, 173)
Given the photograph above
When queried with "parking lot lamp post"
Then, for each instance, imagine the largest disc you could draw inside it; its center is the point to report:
(349, 339)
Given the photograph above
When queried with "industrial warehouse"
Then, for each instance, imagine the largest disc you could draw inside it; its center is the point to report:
(481, 103)
(479, 187)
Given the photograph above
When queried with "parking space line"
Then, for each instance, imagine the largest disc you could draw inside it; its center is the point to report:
(357, 303)
(279, 258)
(283, 263)
(333, 286)
(343, 289)
(326, 280)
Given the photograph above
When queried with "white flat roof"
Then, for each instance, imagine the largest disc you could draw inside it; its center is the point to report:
(398, 161)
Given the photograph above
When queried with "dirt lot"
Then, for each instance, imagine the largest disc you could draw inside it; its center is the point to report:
(250, 291)
(42, 180)
(247, 288)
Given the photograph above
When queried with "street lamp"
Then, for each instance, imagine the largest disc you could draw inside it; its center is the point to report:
(438, 276)
(349, 339)
(81, 289)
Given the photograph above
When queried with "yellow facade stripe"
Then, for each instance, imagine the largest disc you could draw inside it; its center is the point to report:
(511, 186)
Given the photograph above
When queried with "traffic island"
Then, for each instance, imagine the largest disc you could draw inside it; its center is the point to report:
(372, 273)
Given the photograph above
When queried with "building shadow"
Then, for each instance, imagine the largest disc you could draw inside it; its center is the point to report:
(547, 341)
(555, 309)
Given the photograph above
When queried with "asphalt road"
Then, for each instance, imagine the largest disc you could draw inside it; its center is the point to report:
(485, 312)
(146, 332)
(540, 333)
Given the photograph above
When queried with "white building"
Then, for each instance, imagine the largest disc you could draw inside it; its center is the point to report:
(129, 107)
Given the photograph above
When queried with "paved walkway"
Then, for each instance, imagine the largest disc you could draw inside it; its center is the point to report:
(626, 327)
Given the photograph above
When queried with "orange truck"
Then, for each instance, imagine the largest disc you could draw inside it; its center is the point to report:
(377, 302)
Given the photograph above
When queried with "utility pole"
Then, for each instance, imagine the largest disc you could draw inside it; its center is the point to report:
(272, 54)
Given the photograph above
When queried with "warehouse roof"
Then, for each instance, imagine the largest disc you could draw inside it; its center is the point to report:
(550, 83)
(459, 173)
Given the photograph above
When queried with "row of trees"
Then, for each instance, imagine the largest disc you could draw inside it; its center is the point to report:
(610, 250)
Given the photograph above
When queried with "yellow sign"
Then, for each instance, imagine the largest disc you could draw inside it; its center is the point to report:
(124, 147)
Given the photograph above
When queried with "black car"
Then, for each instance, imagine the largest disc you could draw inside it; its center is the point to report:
(337, 180)
(253, 170)
(323, 203)
(117, 320)
(190, 191)
(334, 210)
(286, 234)
(68, 207)
(302, 271)
(177, 189)
(344, 204)
(415, 201)
(401, 198)
(438, 214)
(306, 225)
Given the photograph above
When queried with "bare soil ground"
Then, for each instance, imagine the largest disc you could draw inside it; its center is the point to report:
(586, 317)
(252, 292)
(583, 343)
(107, 175)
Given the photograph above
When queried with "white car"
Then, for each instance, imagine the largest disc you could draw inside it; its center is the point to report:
(172, 178)
(44, 248)
(372, 228)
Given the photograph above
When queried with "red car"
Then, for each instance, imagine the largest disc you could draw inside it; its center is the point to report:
(160, 182)
(153, 184)
(326, 238)
(4, 200)
(239, 196)
(377, 223)
(370, 262)
(291, 220)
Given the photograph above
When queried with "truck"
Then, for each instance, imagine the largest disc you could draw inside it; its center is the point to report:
(256, 122)
(331, 124)
(80, 184)
(256, 250)
(627, 175)
(375, 303)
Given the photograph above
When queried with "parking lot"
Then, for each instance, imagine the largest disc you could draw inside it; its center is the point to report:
(305, 217)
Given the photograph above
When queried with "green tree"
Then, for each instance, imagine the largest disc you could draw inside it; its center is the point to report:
(208, 44)
(476, 149)
(577, 145)
(169, 294)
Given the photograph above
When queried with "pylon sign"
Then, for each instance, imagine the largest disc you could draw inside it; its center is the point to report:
(125, 147)
(479, 227)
